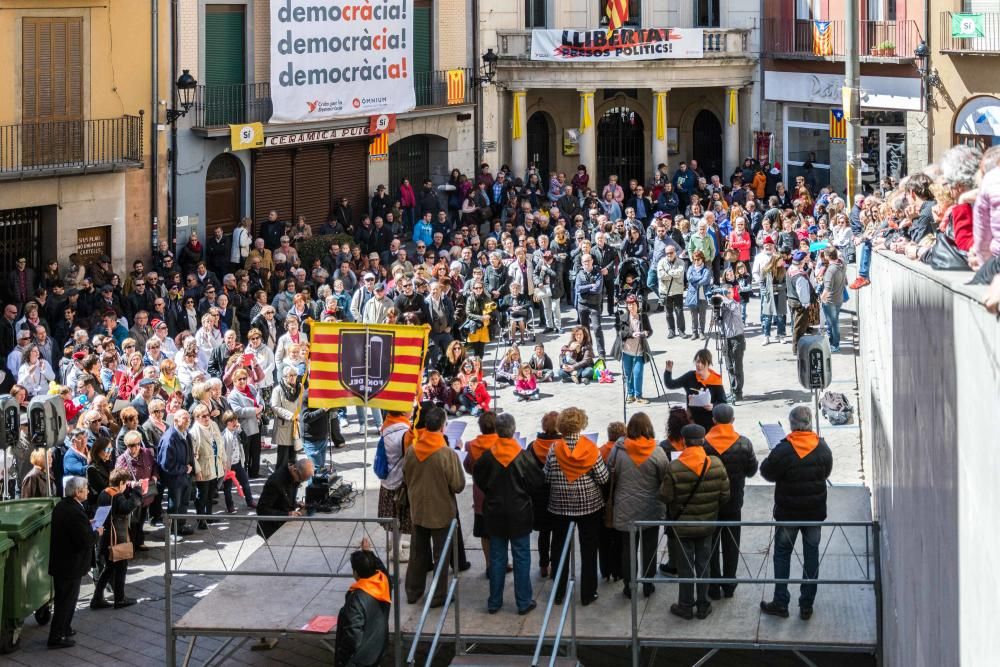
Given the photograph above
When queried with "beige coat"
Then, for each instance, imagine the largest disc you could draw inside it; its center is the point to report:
(210, 462)
(432, 485)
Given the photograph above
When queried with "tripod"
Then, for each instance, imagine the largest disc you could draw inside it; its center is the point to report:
(721, 350)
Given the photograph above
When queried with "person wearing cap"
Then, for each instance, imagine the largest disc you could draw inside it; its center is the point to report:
(802, 300)
(362, 296)
(147, 391)
(376, 310)
(737, 455)
(695, 488)
(14, 358)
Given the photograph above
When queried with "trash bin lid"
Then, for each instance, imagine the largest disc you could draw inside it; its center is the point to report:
(5, 545)
(22, 518)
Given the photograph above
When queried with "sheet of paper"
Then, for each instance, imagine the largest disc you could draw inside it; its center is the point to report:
(523, 442)
(700, 400)
(100, 516)
(773, 434)
(321, 624)
(674, 455)
(461, 455)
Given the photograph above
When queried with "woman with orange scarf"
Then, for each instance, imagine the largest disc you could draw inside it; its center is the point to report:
(475, 448)
(637, 469)
(543, 522)
(576, 475)
(702, 378)
(363, 621)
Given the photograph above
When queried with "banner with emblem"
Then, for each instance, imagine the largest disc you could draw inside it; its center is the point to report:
(355, 364)
(245, 136)
(838, 127)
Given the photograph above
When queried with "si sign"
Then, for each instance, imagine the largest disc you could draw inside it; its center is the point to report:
(249, 135)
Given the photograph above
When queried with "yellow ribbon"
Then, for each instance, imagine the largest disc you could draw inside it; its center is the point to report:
(732, 106)
(517, 130)
(585, 120)
(661, 116)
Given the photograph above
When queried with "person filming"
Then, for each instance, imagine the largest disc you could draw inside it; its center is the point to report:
(727, 312)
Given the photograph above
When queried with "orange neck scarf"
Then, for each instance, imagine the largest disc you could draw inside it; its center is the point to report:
(693, 457)
(803, 442)
(606, 449)
(478, 446)
(722, 437)
(376, 586)
(392, 420)
(428, 443)
(541, 446)
(575, 462)
(639, 449)
(677, 444)
(713, 379)
(506, 450)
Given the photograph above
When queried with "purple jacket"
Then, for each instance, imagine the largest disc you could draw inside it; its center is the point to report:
(986, 217)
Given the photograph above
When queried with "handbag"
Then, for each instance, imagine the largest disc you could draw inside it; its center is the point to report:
(119, 551)
(944, 254)
(812, 313)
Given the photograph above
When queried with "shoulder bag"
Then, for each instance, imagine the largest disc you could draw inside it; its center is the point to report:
(119, 551)
(704, 469)
(944, 254)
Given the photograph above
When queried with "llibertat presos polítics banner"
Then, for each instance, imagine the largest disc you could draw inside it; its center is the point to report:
(624, 44)
(340, 58)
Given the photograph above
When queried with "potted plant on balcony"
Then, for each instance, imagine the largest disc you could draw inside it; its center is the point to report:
(888, 49)
(875, 49)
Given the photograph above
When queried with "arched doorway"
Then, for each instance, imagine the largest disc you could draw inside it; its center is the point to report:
(409, 158)
(223, 193)
(707, 148)
(621, 145)
(540, 135)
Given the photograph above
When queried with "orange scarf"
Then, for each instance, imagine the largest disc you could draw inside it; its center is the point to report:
(606, 449)
(694, 458)
(677, 444)
(392, 420)
(639, 449)
(541, 446)
(722, 437)
(428, 443)
(376, 586)
(803, 442)
(506, 450)
(713, 380)
(480, 445)
(575, 462)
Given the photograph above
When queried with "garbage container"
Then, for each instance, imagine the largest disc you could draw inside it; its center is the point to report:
(27, 585)
(6, 549)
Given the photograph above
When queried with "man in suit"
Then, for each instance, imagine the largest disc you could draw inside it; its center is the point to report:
(71, 549)
(568, 203)
(176, 461)
(220, 355)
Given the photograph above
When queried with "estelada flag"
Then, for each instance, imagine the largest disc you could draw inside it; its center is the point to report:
(350, 362)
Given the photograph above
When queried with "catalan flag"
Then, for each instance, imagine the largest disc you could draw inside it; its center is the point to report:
(456, 86)
(617, 13)
(351, 364)
(838, 127)
(822, 38)
(378, 149)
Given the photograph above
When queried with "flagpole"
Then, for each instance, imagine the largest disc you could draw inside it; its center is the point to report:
(364, 422)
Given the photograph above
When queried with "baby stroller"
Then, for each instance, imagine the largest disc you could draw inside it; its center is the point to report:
(632, 280)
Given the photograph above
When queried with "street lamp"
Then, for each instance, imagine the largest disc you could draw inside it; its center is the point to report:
(186, 85)
(928, 74)
(489, 68)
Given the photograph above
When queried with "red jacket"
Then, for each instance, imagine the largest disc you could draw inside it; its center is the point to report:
(406, 197)
(481, 395)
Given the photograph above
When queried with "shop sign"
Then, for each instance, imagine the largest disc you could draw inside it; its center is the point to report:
(877, 92)
(315, 136)
(249, 135)
(93, 242)
(621, 45)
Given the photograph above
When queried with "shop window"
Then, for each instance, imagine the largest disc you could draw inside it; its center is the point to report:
(820, 115)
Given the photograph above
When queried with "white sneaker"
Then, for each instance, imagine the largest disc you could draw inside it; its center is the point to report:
(767, 340)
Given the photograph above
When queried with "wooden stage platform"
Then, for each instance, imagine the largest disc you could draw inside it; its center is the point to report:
(844, 618)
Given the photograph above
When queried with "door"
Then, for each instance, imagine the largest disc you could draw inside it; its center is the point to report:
(621, 145)
(52, 92)
(883, 152)
(409, 158)
(423, 54)
(223, 193)
(225, 64)
(20, 236)
(349, 175)
(539, 141)
(707, 148)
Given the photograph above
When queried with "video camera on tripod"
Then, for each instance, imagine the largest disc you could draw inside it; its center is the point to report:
(717, 294)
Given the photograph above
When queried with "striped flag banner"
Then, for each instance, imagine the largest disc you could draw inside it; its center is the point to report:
(350, 360)
(378, 149)
(838, 127)
(822, 38)
(617, 13)
(456, 86)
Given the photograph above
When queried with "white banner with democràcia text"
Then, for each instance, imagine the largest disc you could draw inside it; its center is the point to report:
(592, 46)
(340, 58)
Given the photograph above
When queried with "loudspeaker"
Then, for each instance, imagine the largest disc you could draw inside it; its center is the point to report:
(815, 370)
(10, 430)
(47, 421)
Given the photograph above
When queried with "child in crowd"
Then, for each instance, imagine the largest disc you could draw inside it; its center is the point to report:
(526, 387)
(453, 397)
(745, 284)
(475, 398)
(541, 365)
(508, 368)
(435, 390)
(234, 454)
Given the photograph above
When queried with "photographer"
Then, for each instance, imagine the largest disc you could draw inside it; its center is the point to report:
(632, 346)
(726, 311)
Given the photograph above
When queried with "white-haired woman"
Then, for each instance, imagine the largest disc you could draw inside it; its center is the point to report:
(959, 168)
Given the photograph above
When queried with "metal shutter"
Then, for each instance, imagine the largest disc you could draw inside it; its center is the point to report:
(350, 175)
(312, 184)
(272, 184)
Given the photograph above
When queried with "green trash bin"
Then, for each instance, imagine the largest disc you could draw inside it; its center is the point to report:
(6, 551)
(27, 586)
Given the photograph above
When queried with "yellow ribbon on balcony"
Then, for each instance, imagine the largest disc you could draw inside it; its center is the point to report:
(516, 129)
(661, 115)
(732, 106)
(585, 120)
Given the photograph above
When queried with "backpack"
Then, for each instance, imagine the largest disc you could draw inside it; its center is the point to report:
(836, 408)
(598, 368)
(381, 465)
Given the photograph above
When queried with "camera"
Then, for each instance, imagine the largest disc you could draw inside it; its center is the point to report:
(717, 295)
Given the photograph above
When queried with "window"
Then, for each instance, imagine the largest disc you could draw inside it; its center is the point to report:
(634, 7)
(534, 13)
(807, 137)
(706, 13)
(52, 80)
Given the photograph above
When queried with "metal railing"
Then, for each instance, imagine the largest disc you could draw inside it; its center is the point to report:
(867, 561)
(39, 149)
(718, 42)
(876, 39)
(988, 43)
(277, 567)
(450, 543)
(432, 88)
(568, 604)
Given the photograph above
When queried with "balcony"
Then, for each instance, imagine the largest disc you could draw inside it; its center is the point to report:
(988, 44)
(878, 41)
(718, 43)
(217, 106)
(66, 148)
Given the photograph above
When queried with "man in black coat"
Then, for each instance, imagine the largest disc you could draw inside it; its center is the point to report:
(229, 346)
(568, 203)
(363, 621)
(175, 458)
(799, 466)
(278, 496)
(71, 551)
(217, 252)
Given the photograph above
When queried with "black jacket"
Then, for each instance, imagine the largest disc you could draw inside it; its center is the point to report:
(799, 483)
(741, 463)
(315, 425)
(362, 629)
(276, 499)
(507, 508)
(217, 254)
(122, 506)
(691, 386)
(71, 545)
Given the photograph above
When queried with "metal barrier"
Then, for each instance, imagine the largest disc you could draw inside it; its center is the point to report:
(869, 569)
(451, 543)
(173, 560)
(568, 604)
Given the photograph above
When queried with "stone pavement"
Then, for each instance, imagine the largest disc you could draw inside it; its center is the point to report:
(136, 636)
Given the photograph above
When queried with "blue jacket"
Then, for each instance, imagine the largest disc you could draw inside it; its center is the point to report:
(698, 280)
(684, 181)
(423, 232)
(174, 453)
(74, 463)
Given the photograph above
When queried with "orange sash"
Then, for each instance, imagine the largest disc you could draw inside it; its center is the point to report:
(392, 420)
(478, 446)
(677, 444)
(722, 437)
(713, 380)
(541, 447)
(428, 443)
(576, 462)
(606, 449)
(803, 442)
(376, 586)
(693, 458)
(506, 450)
(639, 449)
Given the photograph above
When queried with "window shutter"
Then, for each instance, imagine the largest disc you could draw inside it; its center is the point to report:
(52, 90)
(225, 64)
(350, 175)
(272, 184)
(312, 184)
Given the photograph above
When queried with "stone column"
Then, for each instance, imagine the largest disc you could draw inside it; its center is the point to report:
(518, 134)
(660, 124)
(731, 133)
(588, 134)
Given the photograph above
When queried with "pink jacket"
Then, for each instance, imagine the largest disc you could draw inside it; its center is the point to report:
(407, 199)
(525, 385)
(986, 217)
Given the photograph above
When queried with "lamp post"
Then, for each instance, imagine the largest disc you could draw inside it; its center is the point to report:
(487, 73)
(184, 93)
